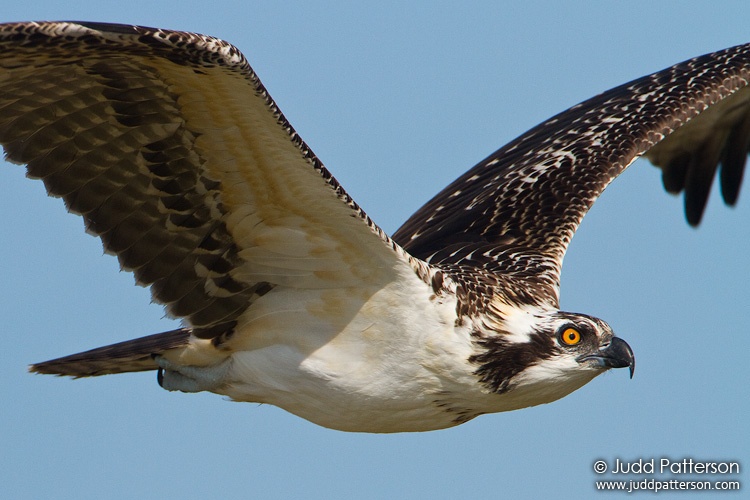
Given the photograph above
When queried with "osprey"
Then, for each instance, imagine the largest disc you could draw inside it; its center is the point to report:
(176, 156)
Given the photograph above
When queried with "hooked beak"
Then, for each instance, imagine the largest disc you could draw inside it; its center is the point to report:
(617, 354)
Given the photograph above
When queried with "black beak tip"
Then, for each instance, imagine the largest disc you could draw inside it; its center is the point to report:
(617, 354)
(621, 355)
(627, 354)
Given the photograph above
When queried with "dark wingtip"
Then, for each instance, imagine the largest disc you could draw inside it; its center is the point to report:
(731, 181)
(694, 217)
(697, 191)
(733, 161)
(694, 209)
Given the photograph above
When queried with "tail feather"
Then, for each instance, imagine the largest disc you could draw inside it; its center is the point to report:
(130, 356)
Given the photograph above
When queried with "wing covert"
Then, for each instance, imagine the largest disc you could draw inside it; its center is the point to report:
(515, 212)
(175, 155)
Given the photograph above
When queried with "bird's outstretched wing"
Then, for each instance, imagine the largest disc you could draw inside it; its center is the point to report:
(515, 212)
(175, 155)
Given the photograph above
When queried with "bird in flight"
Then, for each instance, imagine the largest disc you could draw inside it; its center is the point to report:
(175, 155)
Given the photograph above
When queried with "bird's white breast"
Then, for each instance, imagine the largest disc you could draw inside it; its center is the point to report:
(364, 359)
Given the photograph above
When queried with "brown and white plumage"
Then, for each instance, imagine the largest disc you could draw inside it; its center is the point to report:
(150, 152)
(172, 150)
(516, 211)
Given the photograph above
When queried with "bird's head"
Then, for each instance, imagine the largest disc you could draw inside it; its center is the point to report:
(538, 356)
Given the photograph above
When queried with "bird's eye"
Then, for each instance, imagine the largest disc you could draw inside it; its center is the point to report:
(571, 336)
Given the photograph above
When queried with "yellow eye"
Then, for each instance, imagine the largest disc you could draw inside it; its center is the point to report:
(571, 336)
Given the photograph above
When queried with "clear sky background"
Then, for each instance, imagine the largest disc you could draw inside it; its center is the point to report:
(397, 99)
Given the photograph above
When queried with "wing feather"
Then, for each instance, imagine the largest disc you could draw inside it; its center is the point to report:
(178, 159)
(515, 213)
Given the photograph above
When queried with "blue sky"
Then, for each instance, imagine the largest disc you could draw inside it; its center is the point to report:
(397, 100)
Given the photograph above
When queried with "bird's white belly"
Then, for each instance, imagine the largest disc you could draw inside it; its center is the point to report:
(375, 361)
(379, 359)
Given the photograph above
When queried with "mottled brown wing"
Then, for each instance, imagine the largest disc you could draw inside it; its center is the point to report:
(515, 212)
(175, 155)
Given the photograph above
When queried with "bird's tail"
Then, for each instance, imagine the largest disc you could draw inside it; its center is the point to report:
(130, 356)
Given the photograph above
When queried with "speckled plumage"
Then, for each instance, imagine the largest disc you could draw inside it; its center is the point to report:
(176, 156)
(515, 213)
